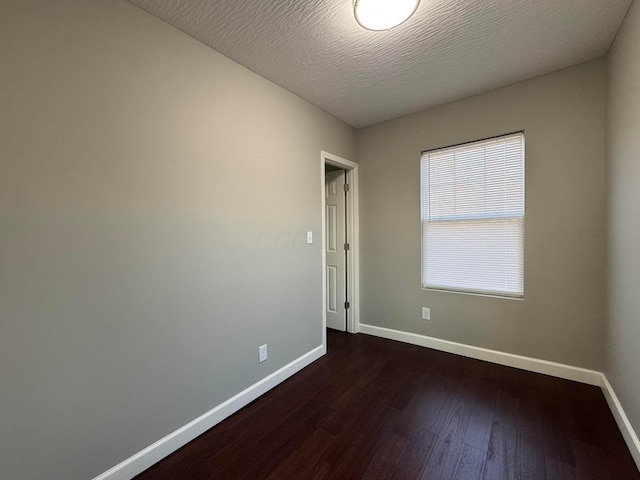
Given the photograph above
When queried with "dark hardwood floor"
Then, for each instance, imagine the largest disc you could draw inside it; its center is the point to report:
(379, 409)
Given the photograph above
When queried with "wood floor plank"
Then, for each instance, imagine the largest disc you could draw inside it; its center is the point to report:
(471, 464)
(305, 462)
(414, 458)
(557, 470)
(481, 419)
(273, 447)
(529, 452)
(352, 457)
(446, 451)
(500, 463)
(387, 454)
(590, 462)
(557, 442)
(529, 457)
(506, 408)
(378, 409)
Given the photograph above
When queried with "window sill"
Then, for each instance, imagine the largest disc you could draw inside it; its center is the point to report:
(476, 294)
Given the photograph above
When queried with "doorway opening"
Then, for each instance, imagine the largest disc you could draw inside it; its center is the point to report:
(340, 244)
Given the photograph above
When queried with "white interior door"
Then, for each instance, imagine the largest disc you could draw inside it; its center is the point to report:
(336, 254)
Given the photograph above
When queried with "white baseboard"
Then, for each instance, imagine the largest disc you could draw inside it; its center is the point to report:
(569, 372)
(560, 370)
(629, 434)
(144, 459)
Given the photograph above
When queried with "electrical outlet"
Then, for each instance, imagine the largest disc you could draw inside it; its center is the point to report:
(426, 313)
(262, 353)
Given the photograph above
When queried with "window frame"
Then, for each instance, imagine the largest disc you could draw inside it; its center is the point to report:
(461, 290)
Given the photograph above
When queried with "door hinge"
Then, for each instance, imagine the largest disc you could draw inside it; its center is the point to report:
(346, 247)
(346, 187)
(346, 305)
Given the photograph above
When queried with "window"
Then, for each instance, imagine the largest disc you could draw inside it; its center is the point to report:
(473, 217)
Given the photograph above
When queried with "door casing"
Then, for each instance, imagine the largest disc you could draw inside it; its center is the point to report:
(352, 264)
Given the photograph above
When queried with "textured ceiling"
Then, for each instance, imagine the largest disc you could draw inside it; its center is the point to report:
(448, 50)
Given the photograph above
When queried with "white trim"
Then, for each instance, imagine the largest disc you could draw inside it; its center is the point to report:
(144, 459)
(560, 370)
(353, 237)
(353, 260)
(629, 434)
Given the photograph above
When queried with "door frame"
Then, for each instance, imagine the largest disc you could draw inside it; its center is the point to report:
(353, 238)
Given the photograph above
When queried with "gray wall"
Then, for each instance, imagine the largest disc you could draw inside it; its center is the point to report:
(623, 155)
(139, 169)
(562, 315)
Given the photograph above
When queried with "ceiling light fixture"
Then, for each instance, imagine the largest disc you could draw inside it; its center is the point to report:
(383, 14)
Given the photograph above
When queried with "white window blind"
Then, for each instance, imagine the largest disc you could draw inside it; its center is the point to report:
(473, 217)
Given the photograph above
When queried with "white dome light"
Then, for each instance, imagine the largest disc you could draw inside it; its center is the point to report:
(383, 14)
